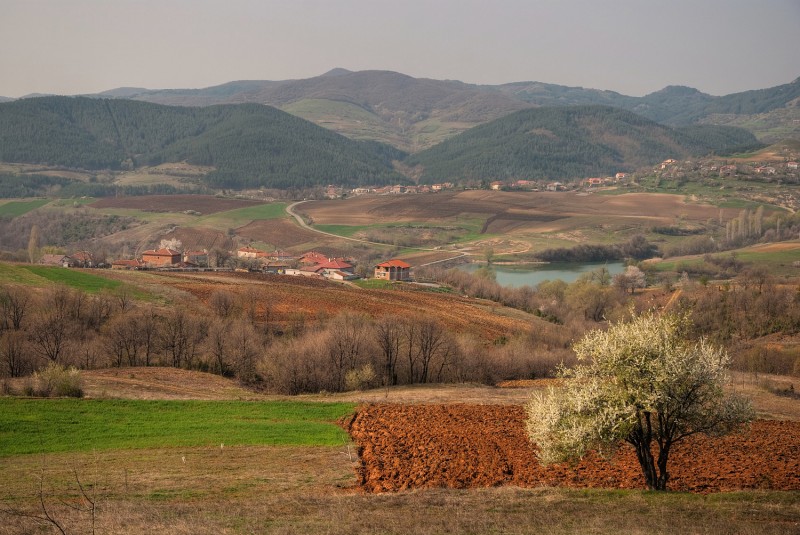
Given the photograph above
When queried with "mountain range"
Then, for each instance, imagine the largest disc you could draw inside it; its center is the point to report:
(252, 145)
(413, 114)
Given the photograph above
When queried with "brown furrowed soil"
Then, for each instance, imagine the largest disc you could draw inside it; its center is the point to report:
(283, 298)
(464, 446)
(280, 233)
(205, 204)
(504, 211)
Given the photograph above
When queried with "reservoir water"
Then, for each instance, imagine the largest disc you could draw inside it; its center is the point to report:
(515, 276)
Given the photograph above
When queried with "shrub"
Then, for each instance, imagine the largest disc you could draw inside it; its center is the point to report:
(56, 381)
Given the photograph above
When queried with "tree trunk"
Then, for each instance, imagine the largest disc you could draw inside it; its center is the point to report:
(642, 438)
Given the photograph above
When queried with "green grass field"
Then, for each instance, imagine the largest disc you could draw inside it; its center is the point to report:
(62, 425)
(76, 279)
(18, 208)
(373, 284)
(776, 261)
(242, 216)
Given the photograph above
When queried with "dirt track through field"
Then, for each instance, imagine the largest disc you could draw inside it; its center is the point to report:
(462, 446)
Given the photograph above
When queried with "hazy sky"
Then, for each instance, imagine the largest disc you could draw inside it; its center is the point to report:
(630, 46)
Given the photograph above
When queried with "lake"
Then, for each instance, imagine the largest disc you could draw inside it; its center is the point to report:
(515, 276)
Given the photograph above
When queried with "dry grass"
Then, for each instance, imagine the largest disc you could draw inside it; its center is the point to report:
(310, 490)
(268, 489)
(161, 383)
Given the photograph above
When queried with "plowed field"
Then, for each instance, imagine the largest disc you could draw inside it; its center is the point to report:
(505, 211)
(284, 297)
(462, 446)
(280, 233)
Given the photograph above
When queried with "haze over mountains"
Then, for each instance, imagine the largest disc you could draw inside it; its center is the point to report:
(416, 113)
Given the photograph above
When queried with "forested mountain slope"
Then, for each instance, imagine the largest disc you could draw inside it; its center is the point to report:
(249, 145)
(569, 142)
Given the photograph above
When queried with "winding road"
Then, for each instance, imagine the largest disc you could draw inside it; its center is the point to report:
(300, 221)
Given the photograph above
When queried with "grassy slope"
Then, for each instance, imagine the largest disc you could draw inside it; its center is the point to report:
(18, 208)
(777, 260)
(242, 216)
(88, 282)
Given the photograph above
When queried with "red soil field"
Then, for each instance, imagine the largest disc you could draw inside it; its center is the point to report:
(286, 296)
(464, 446)
(205, 204)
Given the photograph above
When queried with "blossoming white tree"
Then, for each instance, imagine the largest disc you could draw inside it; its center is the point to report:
(642, 383)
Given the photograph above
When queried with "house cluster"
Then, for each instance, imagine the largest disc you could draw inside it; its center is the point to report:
(310, 264)
(596, 182)
(399, 189)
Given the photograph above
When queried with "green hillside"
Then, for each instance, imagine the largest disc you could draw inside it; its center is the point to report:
(249, 145)
(569, 142)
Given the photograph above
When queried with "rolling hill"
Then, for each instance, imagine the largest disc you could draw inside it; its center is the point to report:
(248, 145)
(415, 113)
(568, 142)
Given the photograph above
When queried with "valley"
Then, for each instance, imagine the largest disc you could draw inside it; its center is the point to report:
(234, 309)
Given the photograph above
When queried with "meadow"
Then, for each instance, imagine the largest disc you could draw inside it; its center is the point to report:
(18, 208)
(35, 426)
(206, 482)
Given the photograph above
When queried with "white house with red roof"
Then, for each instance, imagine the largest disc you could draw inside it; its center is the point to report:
(248, 252)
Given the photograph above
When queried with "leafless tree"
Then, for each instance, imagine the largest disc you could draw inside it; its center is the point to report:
(389, 336)
(15, 302)
(13, 354)
(180, 335)
(347, 342)
(435, 349)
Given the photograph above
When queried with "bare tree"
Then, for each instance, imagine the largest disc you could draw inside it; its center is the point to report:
(435, 348)
(389, 335)
(180, 335)
(224, 303)
(14, 301)
(347, 341)
(13, 354)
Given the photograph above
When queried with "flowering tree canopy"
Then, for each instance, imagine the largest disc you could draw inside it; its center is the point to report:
(642, 383)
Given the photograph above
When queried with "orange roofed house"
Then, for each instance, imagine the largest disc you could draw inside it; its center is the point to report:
(393, 270)
(161, 257)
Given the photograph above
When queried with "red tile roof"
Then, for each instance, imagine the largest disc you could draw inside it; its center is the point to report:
(161, 252)
(336, 263)
(394, 263)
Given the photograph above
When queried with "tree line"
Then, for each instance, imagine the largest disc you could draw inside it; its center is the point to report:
(68, 327)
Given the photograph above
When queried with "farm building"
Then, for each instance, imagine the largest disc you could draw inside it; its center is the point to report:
(161, 257)
(126, 264)
(82, 259)
(198, 258)
(393, 270)
(56, 260)
(249, 252)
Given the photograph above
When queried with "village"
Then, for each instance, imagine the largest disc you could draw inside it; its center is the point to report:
(247, 258)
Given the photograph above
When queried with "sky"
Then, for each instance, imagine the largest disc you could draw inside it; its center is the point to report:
(633, 47)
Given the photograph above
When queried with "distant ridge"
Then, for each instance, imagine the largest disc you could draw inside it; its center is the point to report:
(568, 142)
